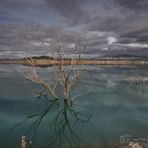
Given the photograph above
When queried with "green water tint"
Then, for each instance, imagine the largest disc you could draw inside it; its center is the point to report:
(63, 123)
(108, 110)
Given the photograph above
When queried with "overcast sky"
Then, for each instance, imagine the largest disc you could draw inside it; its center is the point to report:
(110, 26)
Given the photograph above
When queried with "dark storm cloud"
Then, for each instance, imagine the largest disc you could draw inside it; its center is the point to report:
(135, 27)
(43, 11)
(132, 28)
(127, 19)
(135, 5)
(26, 11)
(12, 34)
(107, 24)
(22, 40)
(71, 10)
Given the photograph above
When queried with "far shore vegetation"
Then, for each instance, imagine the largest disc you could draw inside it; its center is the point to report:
(50, 61)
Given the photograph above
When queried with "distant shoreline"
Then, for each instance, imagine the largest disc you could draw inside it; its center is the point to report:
(49, 61)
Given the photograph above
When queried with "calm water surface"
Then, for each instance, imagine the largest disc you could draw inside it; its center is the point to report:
(114, 102)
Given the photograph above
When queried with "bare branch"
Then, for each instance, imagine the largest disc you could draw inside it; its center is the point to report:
(34, 77)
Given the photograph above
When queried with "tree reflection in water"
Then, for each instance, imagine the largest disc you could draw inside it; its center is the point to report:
(64, 123)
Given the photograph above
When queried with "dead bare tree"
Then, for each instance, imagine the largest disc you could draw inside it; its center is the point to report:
(33, 76)
(65, 77)
(65, 74)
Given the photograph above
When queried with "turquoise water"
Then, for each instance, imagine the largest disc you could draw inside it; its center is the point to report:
(114, 103)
